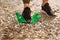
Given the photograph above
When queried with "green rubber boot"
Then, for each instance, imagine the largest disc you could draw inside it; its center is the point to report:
(20, 18)
(35, 18)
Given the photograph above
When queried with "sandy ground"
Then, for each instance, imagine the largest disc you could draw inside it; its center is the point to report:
(46, 29)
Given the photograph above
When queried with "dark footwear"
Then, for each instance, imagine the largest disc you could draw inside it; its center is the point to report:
(26, 13)
(47, 9)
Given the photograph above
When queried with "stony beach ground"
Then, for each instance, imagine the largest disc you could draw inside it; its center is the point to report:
(46, 29)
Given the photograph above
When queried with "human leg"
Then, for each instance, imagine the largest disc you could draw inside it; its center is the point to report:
(27, 11)
(46, 7)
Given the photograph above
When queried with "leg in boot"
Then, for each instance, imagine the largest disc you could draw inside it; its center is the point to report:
(47, 8)
(26, 12)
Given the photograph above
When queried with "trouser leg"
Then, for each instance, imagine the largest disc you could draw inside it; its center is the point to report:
(44, 2)
(26, 1)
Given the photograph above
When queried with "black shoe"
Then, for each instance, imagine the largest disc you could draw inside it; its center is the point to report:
(47, 9)
(27, 14)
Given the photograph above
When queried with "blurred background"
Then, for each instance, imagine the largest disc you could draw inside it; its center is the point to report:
(46, 29)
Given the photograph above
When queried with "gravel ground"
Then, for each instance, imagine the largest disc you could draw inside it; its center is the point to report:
(46, 29)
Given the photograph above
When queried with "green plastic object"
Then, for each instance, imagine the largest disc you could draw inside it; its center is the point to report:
(20, 18)
(35, 18)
